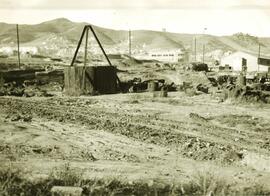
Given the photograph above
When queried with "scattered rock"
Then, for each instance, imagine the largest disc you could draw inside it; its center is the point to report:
(66, 190)
(197, 117)
(202, 88)
(190, 92)
(20, 117)
(88, 156)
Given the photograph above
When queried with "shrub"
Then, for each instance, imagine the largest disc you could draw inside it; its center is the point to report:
(13, 182)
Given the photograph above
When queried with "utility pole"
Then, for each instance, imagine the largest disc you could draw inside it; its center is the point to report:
(204, 29)
(129, 42)
(195, 49)
(259, 54)
(18, 45)
(203, 53)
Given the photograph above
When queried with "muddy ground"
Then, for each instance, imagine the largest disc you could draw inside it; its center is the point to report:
(135, 137)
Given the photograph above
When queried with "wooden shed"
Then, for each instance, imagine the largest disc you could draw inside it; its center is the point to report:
(90, 80)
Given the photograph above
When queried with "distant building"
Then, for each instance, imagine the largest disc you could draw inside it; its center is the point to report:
(28, 50)
(6, 50)
(170, 56)
(24, 50)
(234, 60)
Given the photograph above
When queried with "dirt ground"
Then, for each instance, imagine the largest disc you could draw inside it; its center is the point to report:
(137, 137)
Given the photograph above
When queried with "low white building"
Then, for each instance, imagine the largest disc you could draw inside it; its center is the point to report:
(6, 50)
(28, 50)
(24, 50)
(167, 56)
(234, 60)
(171, 56)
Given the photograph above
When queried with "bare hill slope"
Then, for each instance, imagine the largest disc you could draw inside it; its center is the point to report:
(67, 33)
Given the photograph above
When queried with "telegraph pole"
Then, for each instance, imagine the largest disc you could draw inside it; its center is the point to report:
(129, 42)
(203, 53)
(204, 29)
(195, 49)
(18, 45)
(259, 54)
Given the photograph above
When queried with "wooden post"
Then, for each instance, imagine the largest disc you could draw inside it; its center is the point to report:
(129, 41)
(102, 49)
(259, 54)
(85, 49)
(18, 45)
(195, 49)
(85, 59)
(78, 46)
(203, 53)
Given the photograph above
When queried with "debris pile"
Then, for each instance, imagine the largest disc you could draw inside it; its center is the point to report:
(196, 83)
(23, 90)
(137, 85)
(198, 66)
(245, 93)
(30, 82)
(35, 91)
(11, 89)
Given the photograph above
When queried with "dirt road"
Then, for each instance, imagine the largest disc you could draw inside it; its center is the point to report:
(138, 137)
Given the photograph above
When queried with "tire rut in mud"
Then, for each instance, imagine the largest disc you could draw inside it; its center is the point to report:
(139, 127)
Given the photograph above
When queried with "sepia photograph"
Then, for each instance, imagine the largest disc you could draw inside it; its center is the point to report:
(136, 98)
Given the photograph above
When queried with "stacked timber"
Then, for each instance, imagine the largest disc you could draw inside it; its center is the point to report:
(19, 76)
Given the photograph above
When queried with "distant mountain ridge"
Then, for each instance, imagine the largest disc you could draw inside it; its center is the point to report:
(63, 34)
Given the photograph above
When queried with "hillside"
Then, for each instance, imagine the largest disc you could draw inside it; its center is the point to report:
(62, 35)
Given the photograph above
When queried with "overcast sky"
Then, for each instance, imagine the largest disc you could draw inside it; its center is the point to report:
(220, 17)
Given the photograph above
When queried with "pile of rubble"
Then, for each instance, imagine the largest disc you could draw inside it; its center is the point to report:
(246, 93)
(22, 90)
(232, 87)
(225, 87)
(30, 82)
(195, 83)
(137, 85)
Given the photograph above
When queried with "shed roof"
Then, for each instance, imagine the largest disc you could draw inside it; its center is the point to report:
(250, 53)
